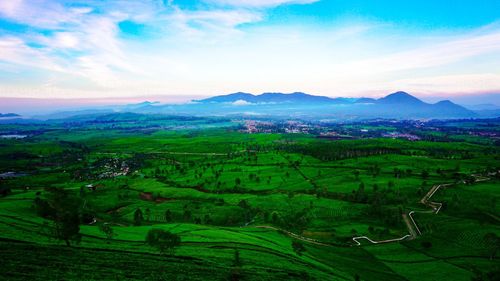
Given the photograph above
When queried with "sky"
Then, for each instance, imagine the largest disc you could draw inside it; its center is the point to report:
(72, 49)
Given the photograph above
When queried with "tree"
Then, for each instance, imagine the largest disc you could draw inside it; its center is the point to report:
(4, 191)
(493, 242)
(425, 174)
(168, 215)
(107, 230)
(275, 217)
(243, 204)
(138, 217)
(360, 193)
(390, 185)
(356, 174)
(64, 209)
(207, 219)
(42, 207)
(236, 260)
(67, 228)
(397, 173)
(164, 241)
(298, 247)
(187, 215)
(371, 229)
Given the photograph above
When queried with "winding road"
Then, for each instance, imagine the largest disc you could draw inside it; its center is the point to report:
(412, 226)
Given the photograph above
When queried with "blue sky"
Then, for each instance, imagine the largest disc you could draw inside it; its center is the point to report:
(117, 48)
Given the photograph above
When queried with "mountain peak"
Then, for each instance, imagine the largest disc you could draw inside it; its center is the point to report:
(400, 97)
(444, 102)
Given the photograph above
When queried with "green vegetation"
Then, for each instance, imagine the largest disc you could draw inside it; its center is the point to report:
(115, 203)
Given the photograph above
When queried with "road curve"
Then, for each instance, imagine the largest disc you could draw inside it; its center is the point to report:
(436, 207)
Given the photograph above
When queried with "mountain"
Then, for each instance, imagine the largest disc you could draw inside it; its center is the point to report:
(141, 104)
(296, 97)
(8, 115)
(398, 105)
(400, 98)
(450, 106)
(229, 98)
(403, 105)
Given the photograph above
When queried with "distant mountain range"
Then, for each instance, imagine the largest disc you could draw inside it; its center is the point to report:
(398, 105)
(296, 97)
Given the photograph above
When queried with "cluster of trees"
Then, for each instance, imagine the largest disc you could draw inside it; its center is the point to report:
(163, 240)
(330, 151)
(293, 219)
(141, 217)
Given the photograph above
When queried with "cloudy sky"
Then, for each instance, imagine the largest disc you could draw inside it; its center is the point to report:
(119, 48)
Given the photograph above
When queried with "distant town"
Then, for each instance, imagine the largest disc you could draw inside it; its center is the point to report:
(412, 130)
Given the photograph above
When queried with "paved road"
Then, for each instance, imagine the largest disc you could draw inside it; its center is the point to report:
(412, 226)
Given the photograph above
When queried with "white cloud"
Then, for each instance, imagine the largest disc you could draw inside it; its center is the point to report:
(241, 103)
(37, 13)
(10, 7)
(205, 51)
(258, 3)
(446, 84)
(433, 54)
(15, 51)
(65, 40)
(208, 25)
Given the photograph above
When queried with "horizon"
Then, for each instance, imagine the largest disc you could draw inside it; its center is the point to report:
(75, 50)
(46, 106)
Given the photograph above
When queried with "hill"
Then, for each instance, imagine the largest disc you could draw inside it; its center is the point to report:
(403, 105)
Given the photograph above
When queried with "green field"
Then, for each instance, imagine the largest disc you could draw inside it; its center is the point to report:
(228, 192)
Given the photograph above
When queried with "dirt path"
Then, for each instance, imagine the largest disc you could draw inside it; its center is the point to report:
(355, 239)
(293, 235)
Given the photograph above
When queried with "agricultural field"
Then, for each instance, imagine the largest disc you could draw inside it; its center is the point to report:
(80, 203)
